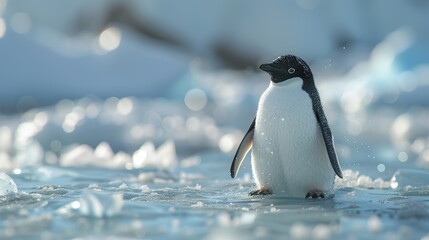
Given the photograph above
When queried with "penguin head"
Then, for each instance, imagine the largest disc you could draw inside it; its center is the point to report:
(286, 67)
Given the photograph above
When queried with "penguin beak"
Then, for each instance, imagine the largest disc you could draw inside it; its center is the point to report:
(269, 68)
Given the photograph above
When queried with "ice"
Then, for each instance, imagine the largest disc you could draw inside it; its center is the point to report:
(7, 185)
(100, 204)
(103, 156)
(163, 157)
(83, 155)
(355, 179)
(410, 178)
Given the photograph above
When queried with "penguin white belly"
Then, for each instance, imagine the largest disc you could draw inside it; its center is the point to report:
(289, 156)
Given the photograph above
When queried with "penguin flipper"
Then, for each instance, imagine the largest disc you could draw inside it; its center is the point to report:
(329, 142)
(243, 149)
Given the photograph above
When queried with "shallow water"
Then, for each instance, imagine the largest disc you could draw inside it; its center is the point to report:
(198, 203)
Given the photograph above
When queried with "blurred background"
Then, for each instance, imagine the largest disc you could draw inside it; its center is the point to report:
(53, 50)
(126, 72)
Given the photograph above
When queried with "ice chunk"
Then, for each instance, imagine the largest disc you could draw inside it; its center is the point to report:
(163, 157)
(103, 151)
(7, 185)
(121, 159)
(99, 204)
(355, 179)
(103, 156)
(81, 155)
(166, 155)
(141, 156)
(404, 178)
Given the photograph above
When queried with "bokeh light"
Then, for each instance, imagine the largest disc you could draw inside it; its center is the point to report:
(125, 106)
(402, 156)
(110, 39)
(196, 99)
(227, 143)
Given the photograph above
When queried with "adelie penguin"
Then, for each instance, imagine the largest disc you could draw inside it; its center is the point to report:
(293, 148)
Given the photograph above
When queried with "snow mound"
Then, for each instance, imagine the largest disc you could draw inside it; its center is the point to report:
(7, 185)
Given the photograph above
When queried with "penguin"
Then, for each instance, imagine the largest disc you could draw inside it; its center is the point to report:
(293, 151)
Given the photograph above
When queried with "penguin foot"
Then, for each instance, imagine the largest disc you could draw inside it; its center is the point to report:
(315, 194)
(262, 191)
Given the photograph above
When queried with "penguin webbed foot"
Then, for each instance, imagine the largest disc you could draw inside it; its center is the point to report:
(259, 192)
(315, 194)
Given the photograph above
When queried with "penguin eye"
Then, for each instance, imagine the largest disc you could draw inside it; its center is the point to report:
(291, 70)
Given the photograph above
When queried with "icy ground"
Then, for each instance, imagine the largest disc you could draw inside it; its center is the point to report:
(133, 168)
